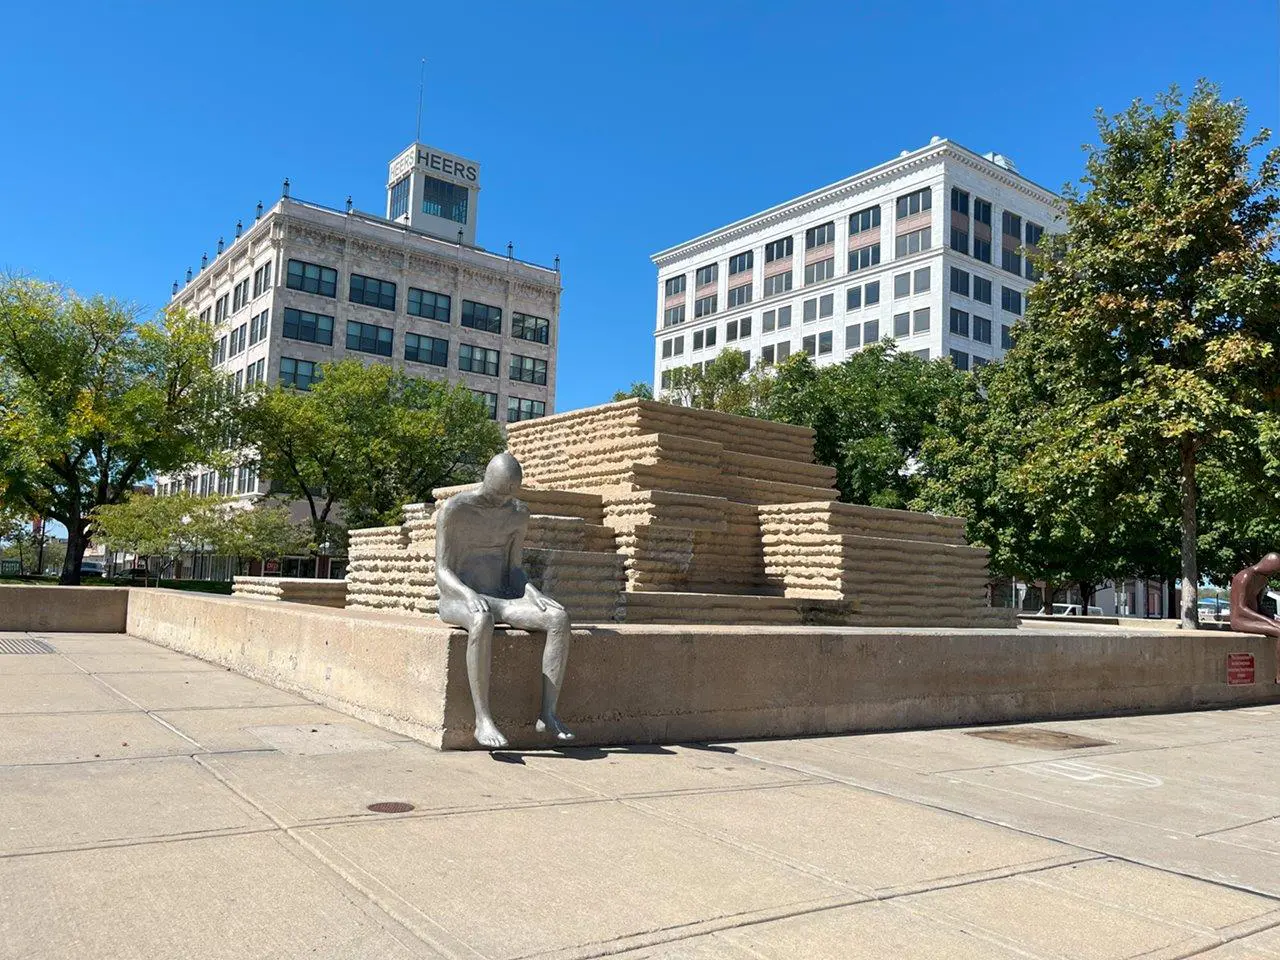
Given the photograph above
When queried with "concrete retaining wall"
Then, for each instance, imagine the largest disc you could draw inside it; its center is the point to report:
(649, 683)
(53, 609)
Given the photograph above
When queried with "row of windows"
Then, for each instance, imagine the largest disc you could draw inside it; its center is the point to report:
(226, 483)
(820, 271)
(300, 374)
(961, 326)
(820, 236)
(917, 281)
(372, 292)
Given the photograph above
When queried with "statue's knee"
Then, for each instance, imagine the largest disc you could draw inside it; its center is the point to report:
(558, 620)
(481, 622)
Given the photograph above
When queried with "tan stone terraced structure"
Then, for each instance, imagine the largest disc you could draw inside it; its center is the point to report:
(651, 513)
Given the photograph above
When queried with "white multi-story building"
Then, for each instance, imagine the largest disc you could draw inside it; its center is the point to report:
(927, 249)
(306, 284)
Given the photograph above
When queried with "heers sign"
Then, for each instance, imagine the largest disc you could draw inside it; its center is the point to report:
(447, 165)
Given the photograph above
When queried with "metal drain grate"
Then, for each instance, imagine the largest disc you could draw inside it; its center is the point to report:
(1042, 739)
(24, 645)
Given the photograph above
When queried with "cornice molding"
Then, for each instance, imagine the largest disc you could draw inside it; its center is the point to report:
(838, 192)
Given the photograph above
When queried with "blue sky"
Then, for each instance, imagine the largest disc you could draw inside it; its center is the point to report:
(136, 134)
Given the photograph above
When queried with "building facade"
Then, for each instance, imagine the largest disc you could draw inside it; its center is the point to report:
(307, 284)
(927, 249)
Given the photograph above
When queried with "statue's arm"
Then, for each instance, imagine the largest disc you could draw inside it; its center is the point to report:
(517, 578)
(447, 581)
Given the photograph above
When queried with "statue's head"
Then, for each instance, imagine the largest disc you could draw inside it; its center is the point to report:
(502, 476)
(1270, 564)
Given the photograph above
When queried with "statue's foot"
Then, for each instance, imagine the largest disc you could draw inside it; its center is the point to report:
(487, 735)
(550, 723)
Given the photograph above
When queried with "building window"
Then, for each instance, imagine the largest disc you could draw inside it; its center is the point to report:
(784, 350)
(913, 242)
(960, 359)
(237, 342)
(914, 203)
(368, 338)
(979, 361)
(921, 280)
(240, 295)
(677, 346)
(981, 289)
(533, 329)
(704, 307)
(673, 315)
(822, 270)
(922, 354)
(739, 296)
(824, 343)
(810, 310)
(1034, 233)
(423, 349)
(778, 283)
(820, 236)
(490, 401)
(481, 316)
(255, 373)
(262, 279)
(519, 409)
(959, 282)
(767, 321)
(902, 285)
(400, 198)
(778, 250)
(739, 263)
(372, 292)
(981, 230)
(902, 324)
(707, 274)
(298, 374)
(731, 331)
(981, 329)
(1011, 243)
(959, 323)
(1011, 300)
(1006, 337)
(920, 320)
(959, 220)
(864, 257)
(744, 327)
(853, 298)
(853, 336)
(871, 293)
(204, 316)
(766, 355)
(704, 338)
(675, 285)
(304, 325)
(810, 346)
(863, 220)
(221, 311)
(666, 379)
(258, 327)
(220, 351)
(478, 360)
(443, 199)
(429, 305)
(870, 332)
(527, 369)
(826, 305)
(666, 349)
(312, 278)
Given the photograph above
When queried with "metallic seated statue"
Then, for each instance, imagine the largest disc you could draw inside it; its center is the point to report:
(479, 539)
(1247, 589)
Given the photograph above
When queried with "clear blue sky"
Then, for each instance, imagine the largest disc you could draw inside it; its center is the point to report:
(135, 134)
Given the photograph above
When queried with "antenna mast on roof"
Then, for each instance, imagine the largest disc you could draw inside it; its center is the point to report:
(422, 79)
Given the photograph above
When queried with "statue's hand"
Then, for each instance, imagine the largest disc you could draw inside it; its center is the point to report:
(477, 603)
(540, 599)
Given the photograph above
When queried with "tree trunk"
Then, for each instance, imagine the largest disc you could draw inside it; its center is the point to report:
(1190, 573)
(77, 543)
(1086, 597)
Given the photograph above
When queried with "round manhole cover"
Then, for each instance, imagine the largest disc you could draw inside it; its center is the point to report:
(390, 806)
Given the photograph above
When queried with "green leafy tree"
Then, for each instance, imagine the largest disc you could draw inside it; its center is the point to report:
(639, 388)
(723, 384)
(1150, 340)
(370, 438)
(92, 401)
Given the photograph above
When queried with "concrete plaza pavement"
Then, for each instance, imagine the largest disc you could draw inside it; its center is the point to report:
(156, 806)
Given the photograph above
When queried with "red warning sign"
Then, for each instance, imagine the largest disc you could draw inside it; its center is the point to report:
(1240, 668)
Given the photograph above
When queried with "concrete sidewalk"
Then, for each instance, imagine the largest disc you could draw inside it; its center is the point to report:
(155, 806)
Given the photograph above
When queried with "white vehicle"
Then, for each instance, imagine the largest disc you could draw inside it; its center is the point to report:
(1073, 610)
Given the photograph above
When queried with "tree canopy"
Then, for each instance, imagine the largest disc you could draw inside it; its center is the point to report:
(93, 401)
(368, 437)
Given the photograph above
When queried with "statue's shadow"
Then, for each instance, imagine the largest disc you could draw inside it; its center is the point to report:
(601, 753)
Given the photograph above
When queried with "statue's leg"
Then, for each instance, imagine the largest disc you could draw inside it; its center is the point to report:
(479, 627)
(526, 615)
